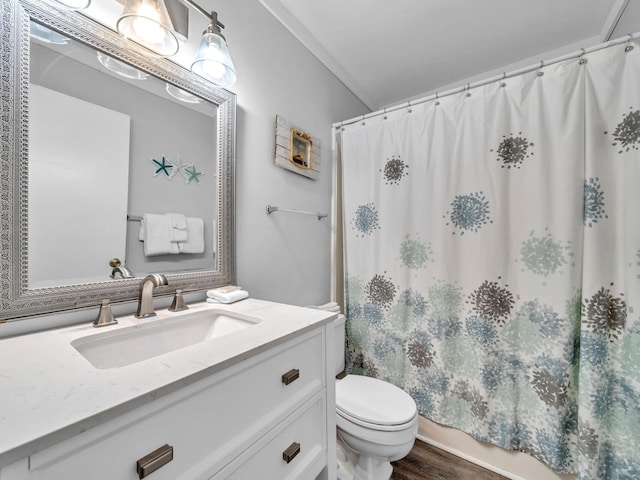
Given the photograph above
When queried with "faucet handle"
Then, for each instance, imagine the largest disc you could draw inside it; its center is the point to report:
(178, 302)
(115, 262)
(105, 316)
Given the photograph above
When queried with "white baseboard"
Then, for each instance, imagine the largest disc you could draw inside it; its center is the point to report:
(513, 465)
(469, 458)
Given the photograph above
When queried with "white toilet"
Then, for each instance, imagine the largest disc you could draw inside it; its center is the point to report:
(377, 422)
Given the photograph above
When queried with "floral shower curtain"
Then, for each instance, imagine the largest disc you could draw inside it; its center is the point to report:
(492, 260)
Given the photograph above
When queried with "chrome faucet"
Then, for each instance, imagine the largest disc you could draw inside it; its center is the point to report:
(119, 270)
(145, 302)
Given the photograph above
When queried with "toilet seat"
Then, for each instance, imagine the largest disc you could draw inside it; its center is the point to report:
(374, 404)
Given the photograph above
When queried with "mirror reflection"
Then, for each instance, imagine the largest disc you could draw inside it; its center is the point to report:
(121, 166)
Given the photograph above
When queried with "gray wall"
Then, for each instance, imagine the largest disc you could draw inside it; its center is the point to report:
(282, 257)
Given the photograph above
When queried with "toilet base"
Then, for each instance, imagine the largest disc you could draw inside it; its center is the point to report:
(352, 466)
(372, 468)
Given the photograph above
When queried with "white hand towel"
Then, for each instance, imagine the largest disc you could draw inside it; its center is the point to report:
(218, 297)
(329, 307)
(155, 234)
(195, 236)
(225, 289)
(177, 227)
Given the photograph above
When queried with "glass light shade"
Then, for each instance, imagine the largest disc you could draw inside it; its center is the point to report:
(147, 23)
(180, 94)
(121, 68)
(47, 35)
(213, 60)
(71, 4)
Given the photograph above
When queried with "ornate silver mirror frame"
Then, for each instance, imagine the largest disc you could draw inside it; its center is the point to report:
(16, 299)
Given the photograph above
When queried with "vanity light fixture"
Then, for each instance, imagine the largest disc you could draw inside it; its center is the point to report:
(147, 23)
(213, 60)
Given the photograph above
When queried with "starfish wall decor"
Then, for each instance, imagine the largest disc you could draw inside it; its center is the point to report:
(167, 169)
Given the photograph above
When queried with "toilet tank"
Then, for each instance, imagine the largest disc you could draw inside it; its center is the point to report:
(339, 343)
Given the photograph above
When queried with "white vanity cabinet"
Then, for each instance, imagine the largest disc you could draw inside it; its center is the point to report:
(264, 417)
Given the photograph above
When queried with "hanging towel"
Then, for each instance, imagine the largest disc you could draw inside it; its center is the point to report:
(155, 233)
(214, 296)
(195, 236)
(178, 227)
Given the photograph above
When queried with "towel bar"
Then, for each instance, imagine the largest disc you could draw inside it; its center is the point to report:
(271, 209)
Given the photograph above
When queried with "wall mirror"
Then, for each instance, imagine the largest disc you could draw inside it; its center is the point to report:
(88, 121)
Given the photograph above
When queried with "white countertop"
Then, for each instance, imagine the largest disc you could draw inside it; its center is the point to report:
(49, 391)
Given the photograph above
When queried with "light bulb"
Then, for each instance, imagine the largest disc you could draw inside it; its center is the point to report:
(213, 60)
(147, 26)
(147, 23)
(211, 66)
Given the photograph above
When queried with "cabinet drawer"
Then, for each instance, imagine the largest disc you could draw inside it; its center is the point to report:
(207, 423)
(303, 432)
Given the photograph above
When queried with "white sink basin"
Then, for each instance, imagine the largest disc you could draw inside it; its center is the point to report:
(129, 345)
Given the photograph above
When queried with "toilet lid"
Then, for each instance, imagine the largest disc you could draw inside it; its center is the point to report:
(374, 401)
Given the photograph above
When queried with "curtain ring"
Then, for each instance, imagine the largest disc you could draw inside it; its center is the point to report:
(437, 101)
(385, 112)
(629, 47)
(409, 110)
(468, 88)
(540, 72)
(582, 61)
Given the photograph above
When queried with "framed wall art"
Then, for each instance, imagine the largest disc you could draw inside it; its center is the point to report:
(296, 150)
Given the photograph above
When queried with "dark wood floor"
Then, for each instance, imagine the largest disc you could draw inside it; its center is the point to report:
(426, 462)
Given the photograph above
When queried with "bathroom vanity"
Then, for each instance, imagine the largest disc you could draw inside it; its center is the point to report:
(236, 391)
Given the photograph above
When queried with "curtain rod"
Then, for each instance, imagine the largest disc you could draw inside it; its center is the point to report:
(514, 73)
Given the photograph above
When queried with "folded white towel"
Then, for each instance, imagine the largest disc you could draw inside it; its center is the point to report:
(230, 297)
(154, 231)
(177, 227)
(329, 307)
(194, 243)
(225, 289)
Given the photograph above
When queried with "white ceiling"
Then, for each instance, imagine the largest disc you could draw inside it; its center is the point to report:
(386, 52)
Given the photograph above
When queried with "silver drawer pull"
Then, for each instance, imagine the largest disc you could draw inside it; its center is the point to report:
(153, 461)
(291, 452)
(291, 376)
